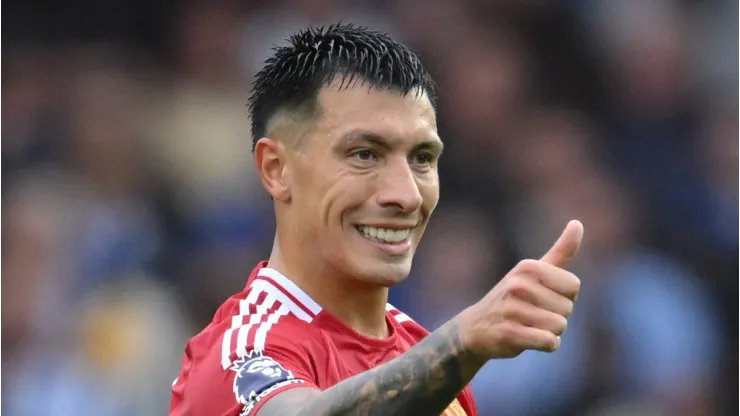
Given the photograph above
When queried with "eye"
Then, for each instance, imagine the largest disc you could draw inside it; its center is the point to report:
(423, 159)
(365, 155)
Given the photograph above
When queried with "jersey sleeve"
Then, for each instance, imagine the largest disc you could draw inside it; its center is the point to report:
(237, 377)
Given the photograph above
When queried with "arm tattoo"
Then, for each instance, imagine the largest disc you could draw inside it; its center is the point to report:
(423, 381)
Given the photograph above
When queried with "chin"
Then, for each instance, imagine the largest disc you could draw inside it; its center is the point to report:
(381, 273)
(373, 263)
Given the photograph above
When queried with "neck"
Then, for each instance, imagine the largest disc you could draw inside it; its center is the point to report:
(359, 306)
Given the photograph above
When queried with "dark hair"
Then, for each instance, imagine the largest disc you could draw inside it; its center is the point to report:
(314, 57)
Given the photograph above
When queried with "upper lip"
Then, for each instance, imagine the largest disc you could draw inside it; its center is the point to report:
(390, 226)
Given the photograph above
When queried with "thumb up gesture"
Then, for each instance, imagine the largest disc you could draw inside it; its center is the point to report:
(529, 308)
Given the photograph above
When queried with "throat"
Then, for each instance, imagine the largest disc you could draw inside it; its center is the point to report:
(361, 309)
(359, 306)
(371, 323)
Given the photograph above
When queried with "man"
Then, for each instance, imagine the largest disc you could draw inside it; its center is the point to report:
(345, 141)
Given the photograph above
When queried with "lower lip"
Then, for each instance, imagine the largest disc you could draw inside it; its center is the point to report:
(399, 248)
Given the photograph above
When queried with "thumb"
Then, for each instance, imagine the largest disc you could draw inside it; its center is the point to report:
(563, 251)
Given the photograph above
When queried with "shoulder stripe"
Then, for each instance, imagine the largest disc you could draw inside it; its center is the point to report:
(267, 301)
(236, 321)
(271, 287)
(397, 314)
(301, 298)
(265, 308)
(260, 337)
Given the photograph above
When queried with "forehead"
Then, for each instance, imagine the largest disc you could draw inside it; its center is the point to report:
(383, 112)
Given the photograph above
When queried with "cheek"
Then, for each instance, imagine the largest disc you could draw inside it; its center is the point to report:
(429, 190)
(346, 195)
(311, 181)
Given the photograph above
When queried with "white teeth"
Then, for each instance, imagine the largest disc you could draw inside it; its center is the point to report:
(385, 235)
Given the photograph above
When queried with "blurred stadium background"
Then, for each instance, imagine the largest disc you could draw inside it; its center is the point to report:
(131, 209)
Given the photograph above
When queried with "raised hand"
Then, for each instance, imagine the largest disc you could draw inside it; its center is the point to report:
(529, 308)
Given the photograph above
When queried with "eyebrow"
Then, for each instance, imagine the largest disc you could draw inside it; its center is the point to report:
(354, 137)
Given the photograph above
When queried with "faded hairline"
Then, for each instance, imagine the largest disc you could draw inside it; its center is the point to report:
(291, 125)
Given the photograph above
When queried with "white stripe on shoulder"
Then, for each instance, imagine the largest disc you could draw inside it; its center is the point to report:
(241, 336)
(398, 315)
(282, 298)
(236, 322)
(402, 317)
(260, 337)
(292, 288)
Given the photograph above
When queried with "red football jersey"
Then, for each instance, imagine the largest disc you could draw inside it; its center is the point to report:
(272, 337)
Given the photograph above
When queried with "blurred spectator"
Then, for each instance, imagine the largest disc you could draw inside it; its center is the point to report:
(29, 94)
(206, 44)
(415, 17)
(717, 148)
(199, 146)
(713, 26)
(35, 300)
(116, 229)
(118, 359)
(484, 82)
(644, 328)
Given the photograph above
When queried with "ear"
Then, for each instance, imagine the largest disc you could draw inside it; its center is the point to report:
(269, 156)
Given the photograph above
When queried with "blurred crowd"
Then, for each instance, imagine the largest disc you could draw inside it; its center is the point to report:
(131, 209)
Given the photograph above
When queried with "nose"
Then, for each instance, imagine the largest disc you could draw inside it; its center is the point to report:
(399, 188)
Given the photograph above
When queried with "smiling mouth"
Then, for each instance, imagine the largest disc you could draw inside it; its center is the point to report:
(384, 235)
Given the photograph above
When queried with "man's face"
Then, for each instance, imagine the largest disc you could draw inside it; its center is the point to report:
(365, 181)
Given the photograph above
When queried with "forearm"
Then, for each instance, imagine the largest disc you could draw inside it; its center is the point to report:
(423, 381)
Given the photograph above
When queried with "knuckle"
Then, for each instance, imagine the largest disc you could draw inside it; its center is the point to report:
(519, 287)
(510, 311)
(514, 311)
(529, 266)
(506, 333)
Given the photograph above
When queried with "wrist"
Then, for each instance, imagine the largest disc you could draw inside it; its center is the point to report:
(470, 351)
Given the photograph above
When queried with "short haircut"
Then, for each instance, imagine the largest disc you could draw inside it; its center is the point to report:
(314, 57)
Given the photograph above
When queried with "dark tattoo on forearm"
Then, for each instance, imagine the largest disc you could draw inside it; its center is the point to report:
(423, 381)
